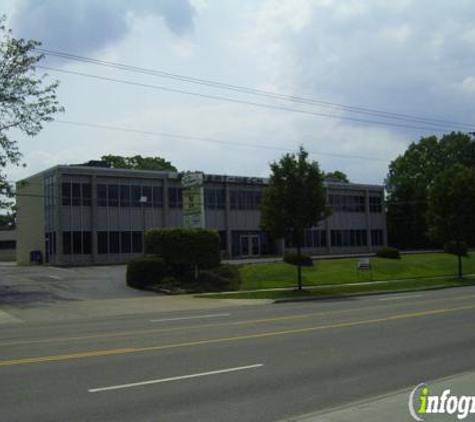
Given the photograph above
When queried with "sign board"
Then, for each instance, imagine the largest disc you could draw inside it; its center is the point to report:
(192, 180)
(363, 264)
(193, 200)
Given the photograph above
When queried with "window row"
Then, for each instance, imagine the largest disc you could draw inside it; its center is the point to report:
(312, 239)
(215, 199)
(375, 204)
(245, 199)
(50, 243)
(114, 242)
(7, 244)
(78, 243)
(76, 194)
(349, 238)
(129, 196)
(119, 242)
(348, 203)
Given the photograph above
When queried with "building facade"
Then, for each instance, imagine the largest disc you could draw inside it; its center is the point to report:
(80, 215)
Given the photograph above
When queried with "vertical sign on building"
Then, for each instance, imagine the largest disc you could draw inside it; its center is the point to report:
(193, 200)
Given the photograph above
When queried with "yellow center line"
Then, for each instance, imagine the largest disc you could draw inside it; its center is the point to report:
(136, 333)
(110, 352)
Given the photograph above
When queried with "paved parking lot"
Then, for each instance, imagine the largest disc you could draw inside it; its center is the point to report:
(41, 293)
(36, 285)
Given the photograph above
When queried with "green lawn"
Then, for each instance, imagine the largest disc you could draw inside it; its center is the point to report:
(338, 271)
(345, 290)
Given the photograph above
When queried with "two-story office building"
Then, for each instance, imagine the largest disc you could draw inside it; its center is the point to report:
(86, 215)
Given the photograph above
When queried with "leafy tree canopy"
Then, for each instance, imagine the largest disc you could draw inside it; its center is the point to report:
(137, 162)
(27, 100)
(408, 181)
(294, 200)
(451, 201)
(338, 176)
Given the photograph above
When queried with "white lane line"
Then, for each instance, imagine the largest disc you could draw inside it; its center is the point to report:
(401, 297)
(192, 317)
(183, 377)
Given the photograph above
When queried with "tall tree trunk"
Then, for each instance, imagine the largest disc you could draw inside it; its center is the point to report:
(299, 268)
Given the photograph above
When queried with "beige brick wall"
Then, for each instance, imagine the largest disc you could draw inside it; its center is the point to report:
(30, 218)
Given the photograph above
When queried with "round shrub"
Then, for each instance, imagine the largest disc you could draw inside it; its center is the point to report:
(294, 258)
(388, 252)
(184, 247)
(145, 272)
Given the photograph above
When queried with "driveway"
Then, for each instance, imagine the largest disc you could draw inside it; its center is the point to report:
(41, 293)
(36, 285)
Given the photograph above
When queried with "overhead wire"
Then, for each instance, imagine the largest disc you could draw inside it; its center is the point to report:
(254, 91)
(436, 127)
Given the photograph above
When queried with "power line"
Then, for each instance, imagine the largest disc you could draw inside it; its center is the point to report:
(215, 141)
(253, 91)
(233, 100)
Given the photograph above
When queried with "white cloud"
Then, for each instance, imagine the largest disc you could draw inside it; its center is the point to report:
(468, 84)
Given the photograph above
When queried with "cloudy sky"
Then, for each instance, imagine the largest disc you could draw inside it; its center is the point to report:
(401, 70)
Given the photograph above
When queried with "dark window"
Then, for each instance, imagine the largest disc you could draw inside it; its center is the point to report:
(233, 199)
(53, 242)
(341, 238)
(86, 243)
(77, 242)
(136, 194)
(7, 244)
(377, 238)
(66, 193)
(102, 242)
(67, 243)
(222, 240)
(76, 194)
(136, 242)
(157, 197)
(101, 195)
(347, 203)
(215, 198)
(125, 242)
(125, 196)
(175, 197)
(147, 193)
(113, 195)
(375, 204)
(315, 238)
(86, 194)
(114, 242)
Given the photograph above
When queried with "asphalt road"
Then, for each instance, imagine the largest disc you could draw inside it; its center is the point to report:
(256, 363)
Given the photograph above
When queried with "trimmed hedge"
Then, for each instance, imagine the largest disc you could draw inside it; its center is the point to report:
(183, 247)
(456, 248)
(388, 252)
(145, 272)
(294, 258)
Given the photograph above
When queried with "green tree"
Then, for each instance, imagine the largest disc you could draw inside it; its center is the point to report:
(338, 176)
(408, 181)
(27, 100)
(294, 200)
(451, 201)
(137, 162)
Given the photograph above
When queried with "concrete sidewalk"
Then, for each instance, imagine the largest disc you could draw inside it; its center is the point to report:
(394, 407)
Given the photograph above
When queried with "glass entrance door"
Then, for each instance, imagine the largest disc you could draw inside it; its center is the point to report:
(250, 245)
